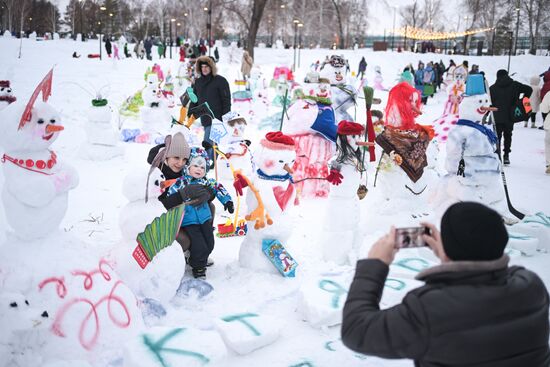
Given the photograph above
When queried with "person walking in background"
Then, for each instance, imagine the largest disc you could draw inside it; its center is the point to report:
(362, 68)
(160, 49)
(108, 46)
(419, 79)
(214, 89)
(504, 93)
(471, 310)
(535, 99)
(148, 45)
(246, 64)
(216, 54)
(545, 110)
(544, 90)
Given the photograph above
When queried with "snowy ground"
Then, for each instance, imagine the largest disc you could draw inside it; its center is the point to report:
(91, 222)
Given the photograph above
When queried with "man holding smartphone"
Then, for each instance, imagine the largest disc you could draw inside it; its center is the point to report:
(474, 309)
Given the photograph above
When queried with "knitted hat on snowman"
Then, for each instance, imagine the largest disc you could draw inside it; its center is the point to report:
(276, 140)
(231, 118)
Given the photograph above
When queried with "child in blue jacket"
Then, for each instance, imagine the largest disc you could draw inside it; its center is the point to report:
(197, 218)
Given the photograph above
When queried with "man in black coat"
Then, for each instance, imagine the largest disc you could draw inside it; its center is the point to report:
(474, 309)
(503, 95)
(214, 89)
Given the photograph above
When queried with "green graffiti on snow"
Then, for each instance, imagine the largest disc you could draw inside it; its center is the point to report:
(335, 288)
(241, 318)
(158, 350)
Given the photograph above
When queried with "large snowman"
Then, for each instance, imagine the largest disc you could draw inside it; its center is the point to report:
(471, 162)
(343, 94)
(6, 94)
(37, 183)
(341, 237)
(154, 114)
(400, 180)
(271, 193)
(102, 140)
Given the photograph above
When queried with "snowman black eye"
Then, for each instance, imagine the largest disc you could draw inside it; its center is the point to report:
(27, 302)
(2, 89)
(480, 101)
(40, 121)
(281, 161)
(13, 304)
(52, 121)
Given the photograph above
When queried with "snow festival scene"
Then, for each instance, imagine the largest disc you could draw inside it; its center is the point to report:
(274, 183)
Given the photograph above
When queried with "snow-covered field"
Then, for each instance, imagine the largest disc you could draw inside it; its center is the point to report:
(299, 310)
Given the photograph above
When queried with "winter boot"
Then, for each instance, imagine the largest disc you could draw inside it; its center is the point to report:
(199, 273)
(533, 126)
(525, 125)
(506, 159)
(209, 262)
(548, 170)
(187, 255)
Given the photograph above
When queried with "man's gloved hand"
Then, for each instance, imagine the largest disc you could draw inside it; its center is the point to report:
(229, 207)
(247, 142)
(196, 194)
(335, 177)
(239, 184)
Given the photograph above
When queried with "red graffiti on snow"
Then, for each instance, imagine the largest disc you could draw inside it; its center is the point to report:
(89, 342)
(60, 288)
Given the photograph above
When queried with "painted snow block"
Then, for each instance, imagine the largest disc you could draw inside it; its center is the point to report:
(396, 287)
(526, 244)
(174, 347)
(279, 257)
(246, 332)
(538, 226)
(129, 135)
(189, 287)
(321, 301)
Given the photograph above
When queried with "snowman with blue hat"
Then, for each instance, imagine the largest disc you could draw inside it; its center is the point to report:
(471, 161)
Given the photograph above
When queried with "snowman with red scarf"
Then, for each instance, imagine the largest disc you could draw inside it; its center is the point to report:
(271, 193)
(35, 194)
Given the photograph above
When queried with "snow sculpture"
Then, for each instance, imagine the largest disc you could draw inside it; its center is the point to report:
(6, 94)
(37, 184)
(343, 94)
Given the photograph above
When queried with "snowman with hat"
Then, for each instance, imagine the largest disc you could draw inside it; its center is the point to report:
(37, 184)
(6, 95)
(471, 162)
(343, 215)
(270, 195)
(343, 94)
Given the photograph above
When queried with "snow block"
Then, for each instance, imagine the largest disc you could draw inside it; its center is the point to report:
(151, 309)
(246, 332)
(538, 226)
(162, 347)
(190, 286)
(321, 300)
(526, 244)
(279, 257)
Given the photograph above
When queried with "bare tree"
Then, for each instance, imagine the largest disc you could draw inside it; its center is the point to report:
(413, 15)
(337, 7)
(250, 17)
(537, 14)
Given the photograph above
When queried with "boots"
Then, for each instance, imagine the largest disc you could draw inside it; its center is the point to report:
(506, 159)
(199, 273)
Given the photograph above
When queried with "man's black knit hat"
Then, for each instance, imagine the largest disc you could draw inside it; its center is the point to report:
(472, 231)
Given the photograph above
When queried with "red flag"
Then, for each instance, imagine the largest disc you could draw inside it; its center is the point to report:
(45, 87)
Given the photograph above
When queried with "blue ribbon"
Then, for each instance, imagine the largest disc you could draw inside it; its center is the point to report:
(487, 132)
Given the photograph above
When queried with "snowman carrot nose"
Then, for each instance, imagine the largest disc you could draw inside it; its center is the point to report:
(364, 144)
(288, 169)
(53, 128)
(416, 109)
(485, 109)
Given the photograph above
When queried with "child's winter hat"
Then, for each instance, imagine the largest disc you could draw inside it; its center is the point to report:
(199, 156)
(231, 118)
(350, 128)
(276, 140)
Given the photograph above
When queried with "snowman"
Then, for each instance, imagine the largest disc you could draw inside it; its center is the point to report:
(6, 96)
(271, 192)
(378, 79)
(153, 114)
(341, 224)
(455, 89)
(37, 184)
(235, 148)
(343, 94)
(151, 93)
(310, 122)
(400, 183)
(102, 140)
(473, 167)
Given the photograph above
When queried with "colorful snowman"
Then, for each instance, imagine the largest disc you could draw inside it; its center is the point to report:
(37, 183)
(270, 195)
(344, 95)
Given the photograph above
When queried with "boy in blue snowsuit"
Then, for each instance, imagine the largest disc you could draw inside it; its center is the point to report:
(197, 219)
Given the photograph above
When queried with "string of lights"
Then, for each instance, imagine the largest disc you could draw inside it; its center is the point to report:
(425, 35)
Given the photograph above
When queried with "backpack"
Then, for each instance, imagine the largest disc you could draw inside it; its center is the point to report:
(427, 78)
(521, 109)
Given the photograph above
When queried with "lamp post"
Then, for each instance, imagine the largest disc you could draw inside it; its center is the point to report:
(185, 28)
(393, 28)
(209, 25)
(295, 21)
(170, 38)
(178, 43)
(102, 8)
(300, 25)
(405, 41)
(511, 35)
(517, 28)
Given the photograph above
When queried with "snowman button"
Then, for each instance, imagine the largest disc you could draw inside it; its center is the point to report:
(50, 163)
(29, 163)
(20, 162)
(41, 164)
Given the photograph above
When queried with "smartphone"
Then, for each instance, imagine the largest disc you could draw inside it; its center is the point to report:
(410, 237)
